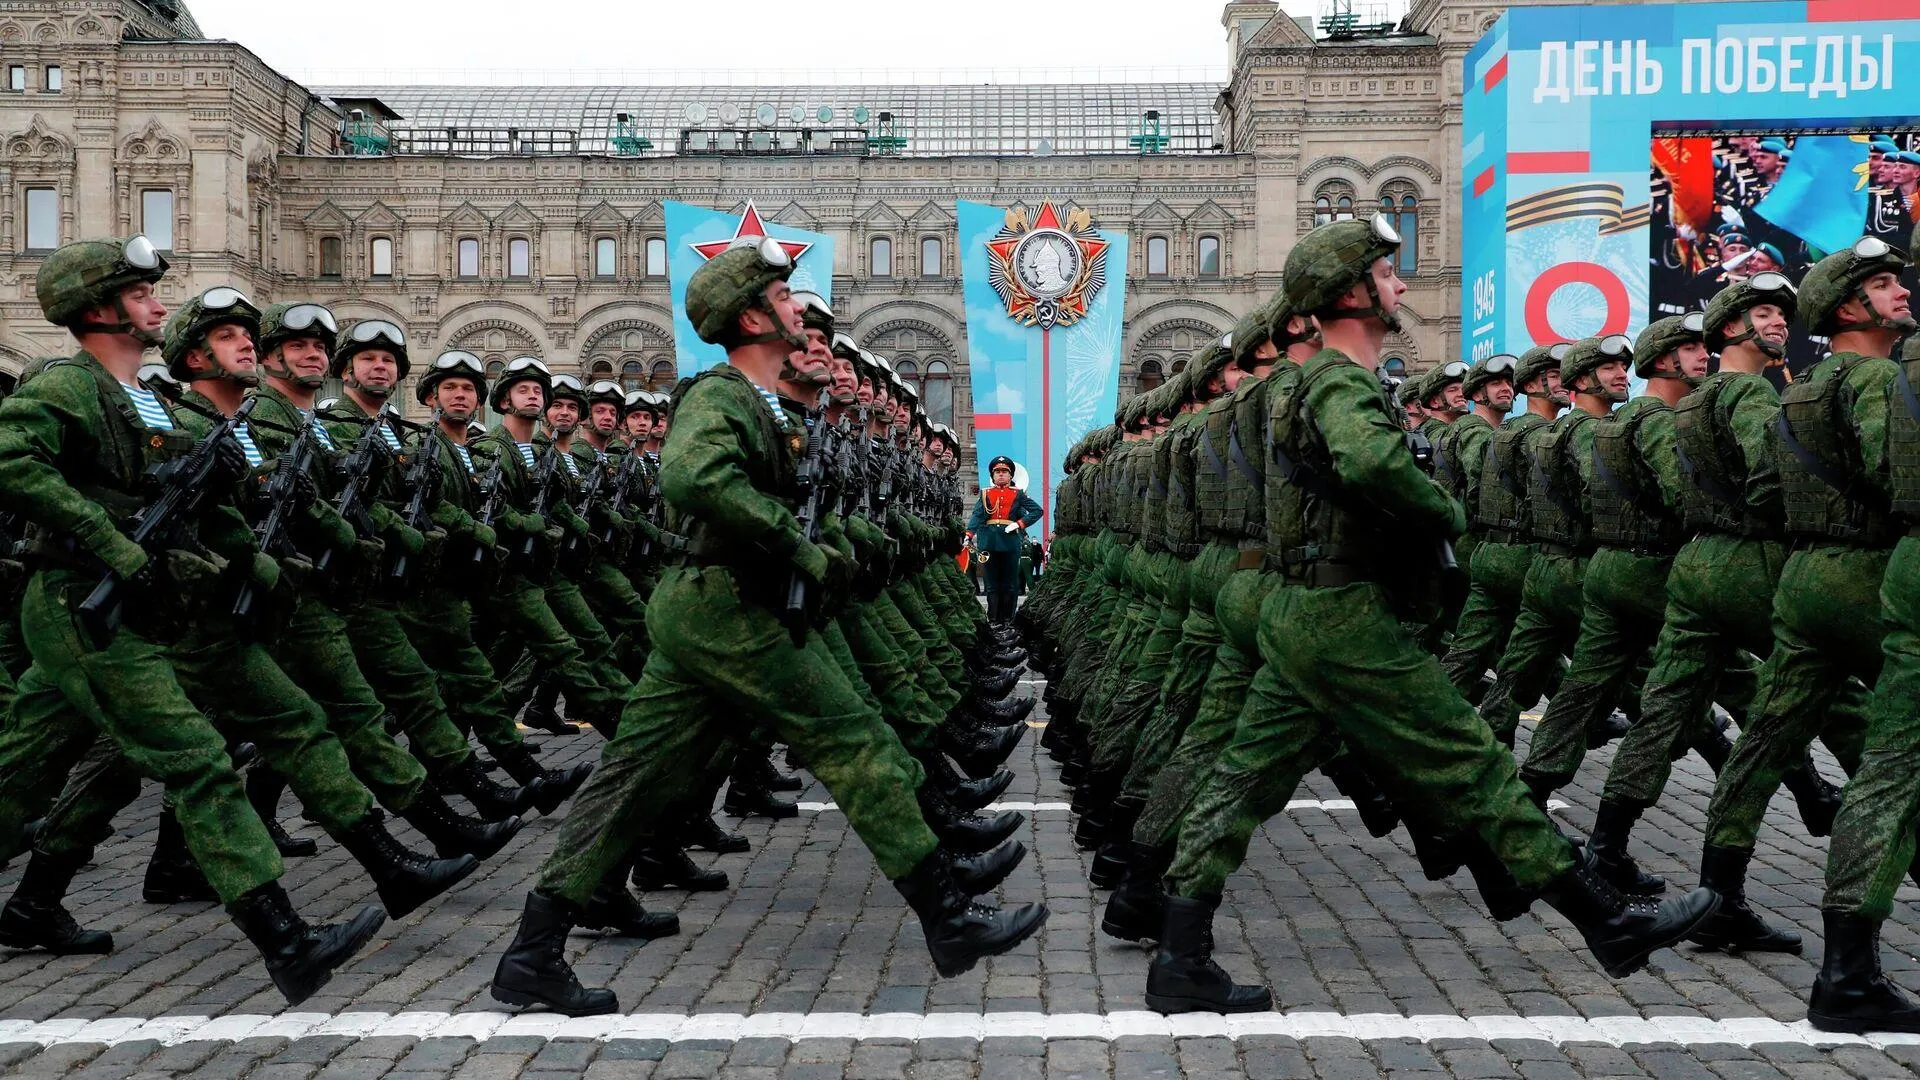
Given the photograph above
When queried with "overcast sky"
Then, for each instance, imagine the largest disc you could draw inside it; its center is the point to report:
(572, 40)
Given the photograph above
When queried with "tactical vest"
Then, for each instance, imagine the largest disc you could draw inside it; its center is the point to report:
(1248, 440)
(1829, 497)
(1448, 469)
(1153, 515)
(128, 450)
(1713, 467)
(1182, 513)
(1503, 480)
(1903, 443)
(1629, 511)
(1307, 522)
(1553, 489)
(1211, 473)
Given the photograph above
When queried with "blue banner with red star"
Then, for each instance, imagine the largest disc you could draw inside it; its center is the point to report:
(696, 234)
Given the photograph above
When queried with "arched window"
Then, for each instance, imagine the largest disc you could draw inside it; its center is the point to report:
(1401, 206)
(382, 257)
(908, 371)
(1208, 250)
(606, 257)
(1179, 366)
(1156, 256)
(1150, 376)
(1333, 202)
(469, 265)
(930, 256)
(1395, 366)
(663, 375)
(519, 257)
(880, 257)
(936, 392)
(330, 256)
(602, 369)
(633, 375)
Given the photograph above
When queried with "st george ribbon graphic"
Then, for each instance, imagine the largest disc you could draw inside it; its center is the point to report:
(1044, 297)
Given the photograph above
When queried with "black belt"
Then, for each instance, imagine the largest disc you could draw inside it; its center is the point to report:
(1325, 574)
(1503, 536)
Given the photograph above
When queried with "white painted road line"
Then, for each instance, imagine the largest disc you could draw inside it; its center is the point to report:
(795, 1027)
(1050, 807)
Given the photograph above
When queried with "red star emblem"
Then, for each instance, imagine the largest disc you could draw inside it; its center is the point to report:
(750, 225)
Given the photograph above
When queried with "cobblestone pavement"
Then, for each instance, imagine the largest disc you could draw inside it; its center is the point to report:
(811, 967)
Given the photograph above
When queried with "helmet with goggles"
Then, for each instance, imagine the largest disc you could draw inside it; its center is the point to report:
(1843, 276)
(451, 364)
(370, 334)
(91, 273)
(187, 330)
(732, 282)
(518, 370)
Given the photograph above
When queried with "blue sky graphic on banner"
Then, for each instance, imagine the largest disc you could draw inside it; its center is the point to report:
(695, 233)
(1007, 360)
(1585, 124)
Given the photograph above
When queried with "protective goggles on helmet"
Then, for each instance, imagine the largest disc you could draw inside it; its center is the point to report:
(769, 250)
(1770, 281)
(813, 301)
(459, 361)
(305, 316)
(1694, 322)
(1384, 230)
(1226, 341)
(568, 382)
(1454, 370)
(140, 254)
(375, 329)
(1870, 247)
(607, 386)
(522, 364)
(1616, 346)
(1499, 365)
(224, 298)
(1559, 352)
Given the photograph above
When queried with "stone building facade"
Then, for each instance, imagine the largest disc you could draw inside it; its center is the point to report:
(120, 116)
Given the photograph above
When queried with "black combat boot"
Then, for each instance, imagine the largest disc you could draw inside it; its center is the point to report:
(300, 958)
(617, 911)
(1819, 801)
(1440, 857)
(263, 791)
(976, 874)
(404, 880)
(961, 931)
(1850, 994)
(1377, 812)
(453, 834)
(961, 830)
(550, 787)
(1736, 927)
(172, 875)
(1138, 908)
(1611, 827)
(1540, 788)
(1714, 748)
(493, 801)
(705, 834)
(1110, 861)
(775, 780)
(1623, 931)
(978, 751)
(1608, 728)
(1094, 802)
(997, 686)
(1183, 976)
(1001, 713)
(534, 969)
(666, 866)
(960, 791)
(543, 712)
(1505, 899)
(35, 918)
(746, 798)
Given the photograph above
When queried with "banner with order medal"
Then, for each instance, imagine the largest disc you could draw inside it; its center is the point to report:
(1044, 295)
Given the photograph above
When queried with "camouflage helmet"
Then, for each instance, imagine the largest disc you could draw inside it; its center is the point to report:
(1537, 361)
(1489, 370)
(1334, 258)
(1662, 336)
(1839, 277)
(449, 364)
(299, 318)
(370, 334)
(1435, 380)
(1246, 337)
(1733, 302)
(607, 392)
(1411, 390)
(730, 283)
(567, 385)
(1209, 364)
(86, 274)
(1589, 353)
(187, 330)
(815, 312)
(518, 370)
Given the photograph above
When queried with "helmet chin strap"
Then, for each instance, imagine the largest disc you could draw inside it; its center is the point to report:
(381, 393)
(1773, 351)
(1375, 309)
(1875, 320)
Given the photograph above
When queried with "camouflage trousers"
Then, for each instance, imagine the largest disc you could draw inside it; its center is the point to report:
(439, 623)
(515, 617)
(622, 610)
(125, 689)
(1623, 606)
(1185, 682)
(1166, 583)
(1873, 838)
(1499, 573)
(721, 666)
(405, 684)
(1719, 599)
(883, 671)
(1826, 632)
(1359, 679)
(1547, 628)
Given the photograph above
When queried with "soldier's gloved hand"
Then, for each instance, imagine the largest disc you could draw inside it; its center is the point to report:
(554, 534)
(1012, 526)
(294, 571)
(264, 571)
(433, 540)
(406, 538)
(370, 552)
(229, 462)
(484, 535)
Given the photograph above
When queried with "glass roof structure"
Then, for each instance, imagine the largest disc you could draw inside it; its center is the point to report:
(934, 120)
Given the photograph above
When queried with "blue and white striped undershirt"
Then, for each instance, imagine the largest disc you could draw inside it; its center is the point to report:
(526, 453)
(773, 402)
(466, 458)
(147, 404)
(319, 430)
(245, 438)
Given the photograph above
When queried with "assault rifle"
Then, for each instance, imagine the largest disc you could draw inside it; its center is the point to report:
(493, 492)
(545, 479)
(590, 494)
(362, 471)
(422, 482)
(811, 481)
(184, 486)
(631, 467)
(285, 492)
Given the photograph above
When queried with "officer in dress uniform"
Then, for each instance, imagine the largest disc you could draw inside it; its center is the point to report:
(997, 526)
